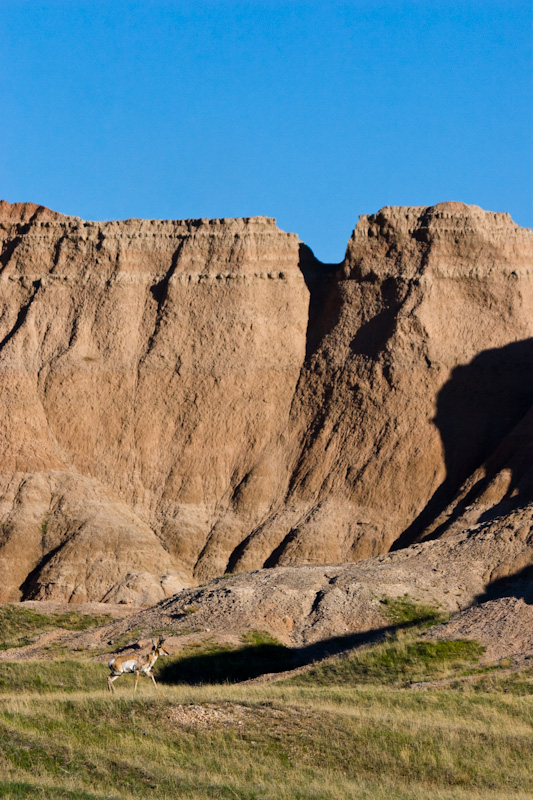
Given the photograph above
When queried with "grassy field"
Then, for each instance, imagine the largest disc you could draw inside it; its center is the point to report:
(347, 728)
(20, 626)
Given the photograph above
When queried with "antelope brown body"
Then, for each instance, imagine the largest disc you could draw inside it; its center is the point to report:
(139, 666)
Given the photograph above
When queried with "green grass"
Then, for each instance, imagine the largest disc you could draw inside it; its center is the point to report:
(400, 660)
(20, 626)
(258, 638)
(404, 611)
(519, 682)
(23, 677)
(18, 789)
(267, 742)
(347, 728)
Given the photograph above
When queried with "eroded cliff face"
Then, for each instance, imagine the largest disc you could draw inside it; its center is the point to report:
(179, 399)
(423, 363)
(146, 368)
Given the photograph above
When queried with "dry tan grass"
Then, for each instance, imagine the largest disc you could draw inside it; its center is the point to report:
(345, 729)
(267, 741)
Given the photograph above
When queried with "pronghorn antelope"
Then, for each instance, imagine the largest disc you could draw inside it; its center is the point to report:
(139, 666)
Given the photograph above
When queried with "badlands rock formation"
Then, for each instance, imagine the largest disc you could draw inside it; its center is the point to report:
(322, 608)
(182, 399)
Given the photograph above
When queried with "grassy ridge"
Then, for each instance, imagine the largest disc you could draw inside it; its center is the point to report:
(401, 659)
(267, 741)
(347, 728)
(19, 626)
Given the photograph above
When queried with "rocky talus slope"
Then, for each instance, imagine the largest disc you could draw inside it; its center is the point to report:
(477, 576)
(179, 399)
(305, 604)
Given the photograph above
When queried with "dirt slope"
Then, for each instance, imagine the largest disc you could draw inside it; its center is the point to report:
(183, 398)
(465, 574)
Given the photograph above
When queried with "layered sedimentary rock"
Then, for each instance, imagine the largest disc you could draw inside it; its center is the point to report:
(145, 367)
(470, 575)
(179, 399)
(420, 362)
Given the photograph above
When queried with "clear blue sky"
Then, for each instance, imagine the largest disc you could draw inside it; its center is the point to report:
(310, 112)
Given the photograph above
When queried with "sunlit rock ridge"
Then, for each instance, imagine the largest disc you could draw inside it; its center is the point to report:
(179, 399)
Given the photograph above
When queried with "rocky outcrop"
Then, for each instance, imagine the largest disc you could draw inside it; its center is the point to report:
(180, 399)
(421, 362)
(147, 373)
(464, 575)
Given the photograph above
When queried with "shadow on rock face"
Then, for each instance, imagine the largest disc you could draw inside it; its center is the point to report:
(519, 585)
(325, 302)
(479, 405)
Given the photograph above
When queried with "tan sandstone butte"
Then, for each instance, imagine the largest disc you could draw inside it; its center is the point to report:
(179, 399)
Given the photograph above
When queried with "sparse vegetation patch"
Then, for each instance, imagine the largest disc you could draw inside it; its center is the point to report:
(126, 639)
(404, 611)
(19, 626)
(400, 660)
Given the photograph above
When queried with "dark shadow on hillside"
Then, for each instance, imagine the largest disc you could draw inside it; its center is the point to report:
(325, 304)
(252, 661)
(519, 585)
(480, 404)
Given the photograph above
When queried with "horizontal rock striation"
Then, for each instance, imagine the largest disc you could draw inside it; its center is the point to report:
(342, 605)
(154, 362)
(420, 363)
(179, 399)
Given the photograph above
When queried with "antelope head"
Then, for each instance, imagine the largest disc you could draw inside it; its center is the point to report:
(157, 647)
